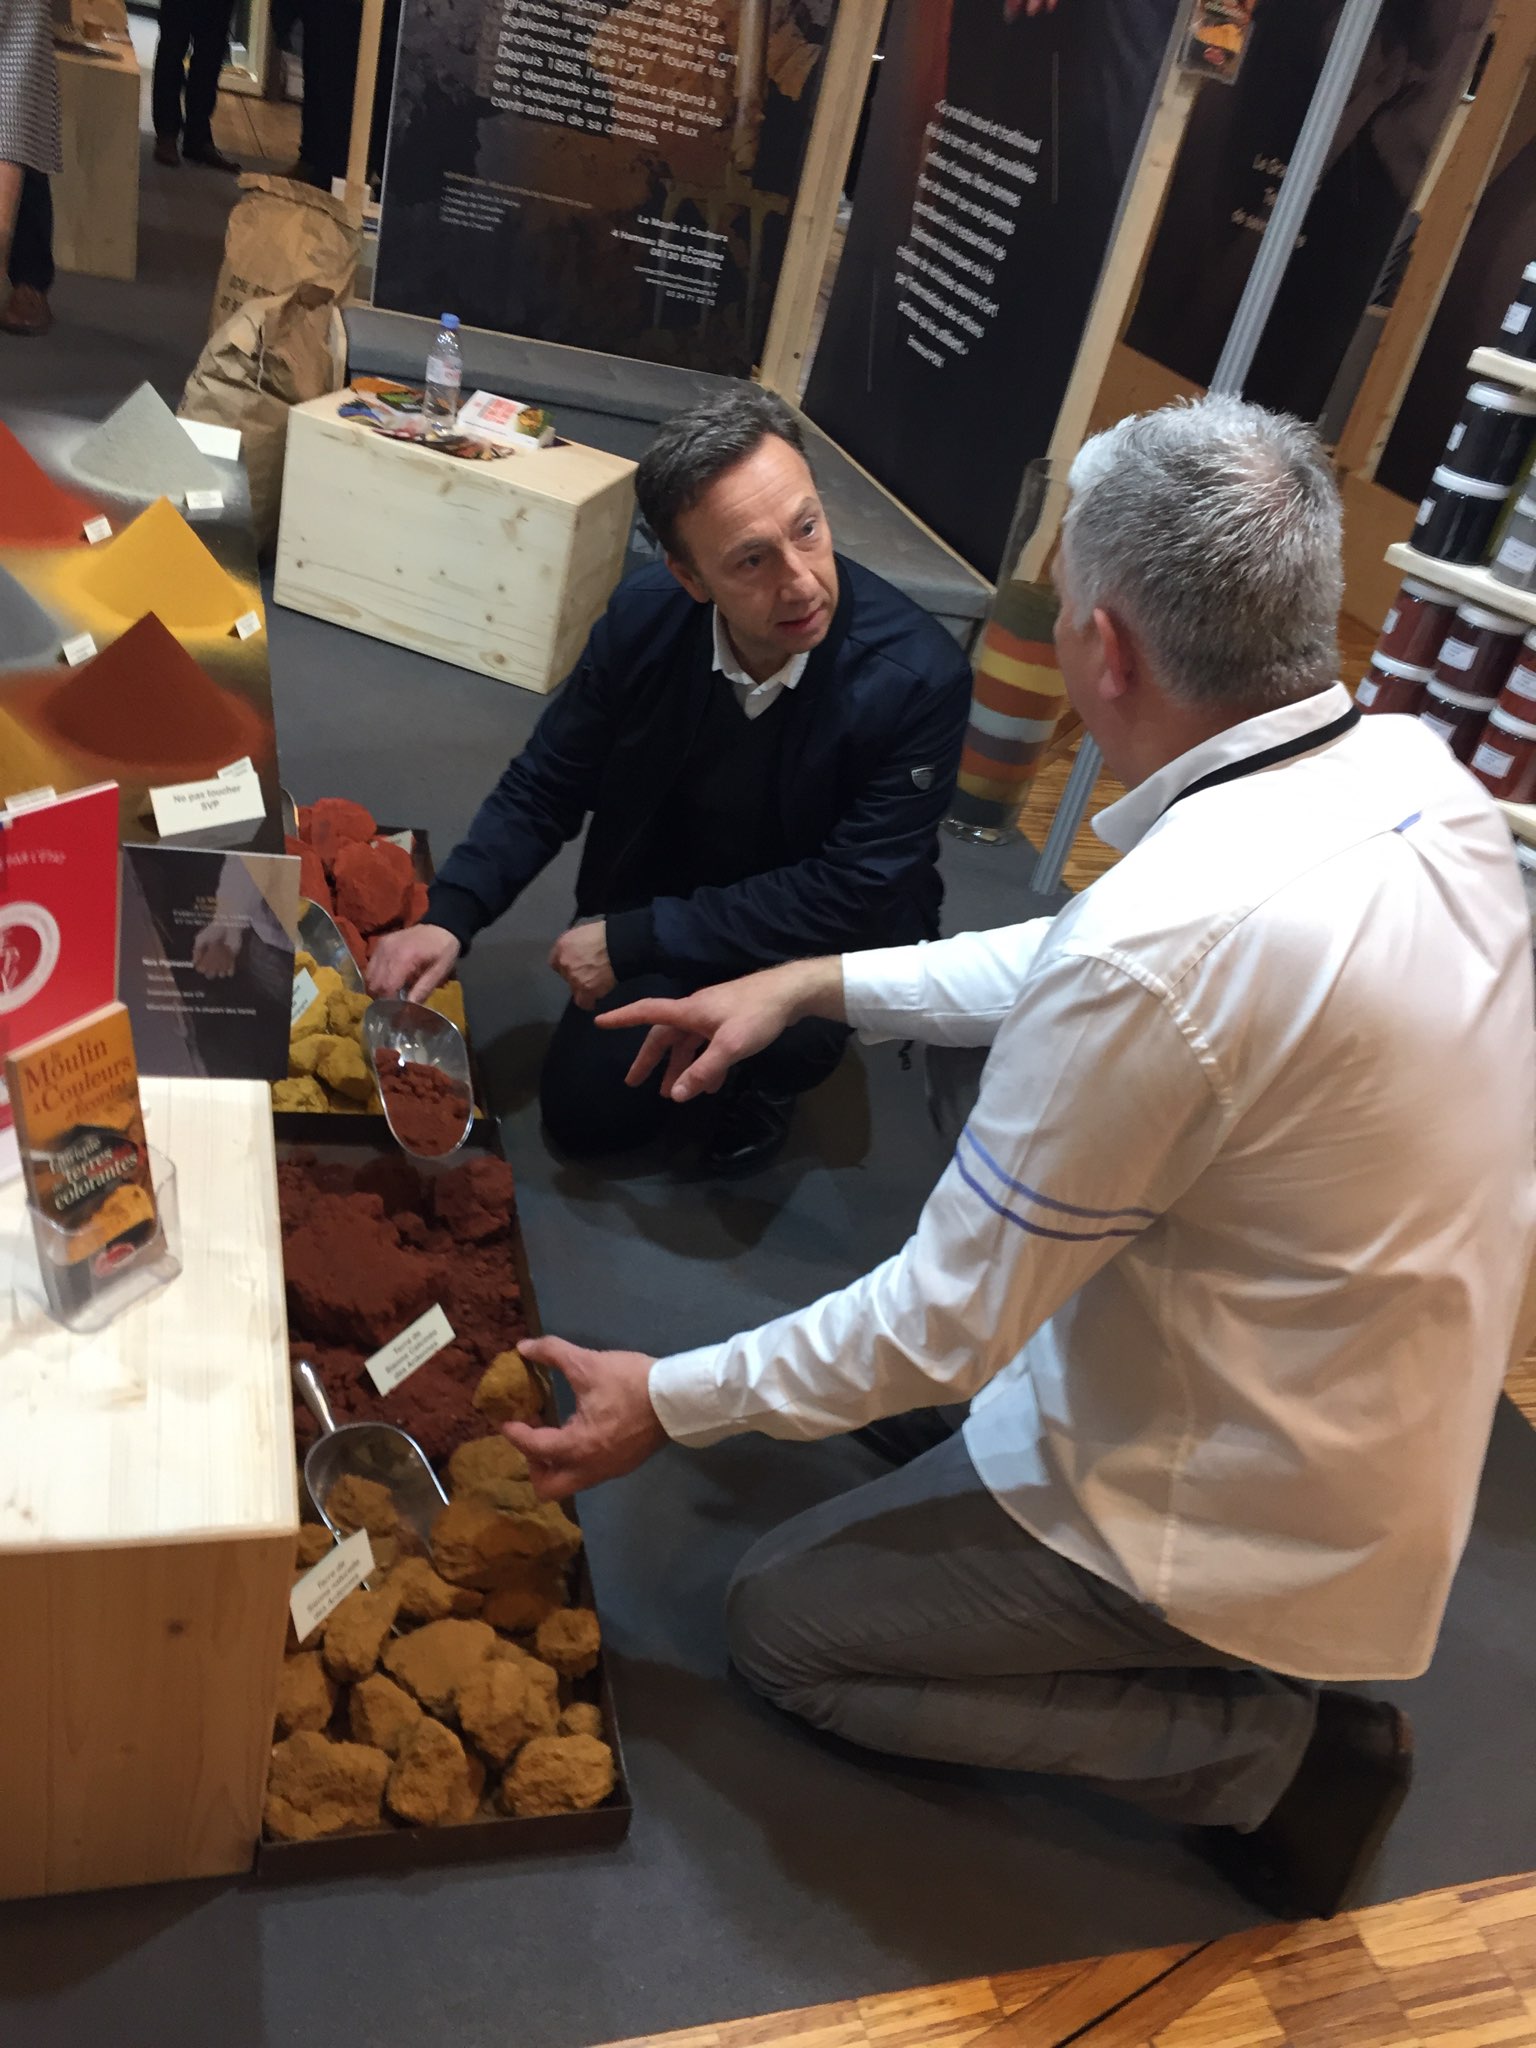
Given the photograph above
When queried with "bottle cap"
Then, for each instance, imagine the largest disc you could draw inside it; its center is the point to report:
(450, 319)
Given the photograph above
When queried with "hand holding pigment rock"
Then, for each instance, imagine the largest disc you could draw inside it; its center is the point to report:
(428, 1110)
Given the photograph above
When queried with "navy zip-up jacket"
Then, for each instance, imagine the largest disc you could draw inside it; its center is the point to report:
(871, 747)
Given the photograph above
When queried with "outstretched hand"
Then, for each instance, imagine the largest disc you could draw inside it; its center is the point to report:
(614, 1429)
(701, 1037)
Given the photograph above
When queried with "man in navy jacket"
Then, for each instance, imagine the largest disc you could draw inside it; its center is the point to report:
(765, 738)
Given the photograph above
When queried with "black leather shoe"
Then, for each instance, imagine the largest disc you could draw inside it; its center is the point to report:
(211, 158)
(1305, 1861)
(167, 152)
(749, 1132)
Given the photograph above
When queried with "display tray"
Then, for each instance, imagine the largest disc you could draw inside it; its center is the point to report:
(401, 1847)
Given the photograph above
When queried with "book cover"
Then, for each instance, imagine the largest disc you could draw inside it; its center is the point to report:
(58, 915)
(80, 1130)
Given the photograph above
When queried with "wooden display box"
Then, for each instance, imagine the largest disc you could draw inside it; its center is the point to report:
(148, 1509)
(96, 196)
(487, 1836)
(501, 567)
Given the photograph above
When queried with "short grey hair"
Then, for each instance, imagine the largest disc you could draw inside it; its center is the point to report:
(702, 444)
(1214, 529)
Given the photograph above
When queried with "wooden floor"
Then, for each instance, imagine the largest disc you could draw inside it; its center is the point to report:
(253, 130)
(1454, 1969)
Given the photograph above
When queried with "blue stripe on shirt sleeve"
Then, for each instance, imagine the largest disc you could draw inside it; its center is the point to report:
(1039, 1229)
(1047, 1201)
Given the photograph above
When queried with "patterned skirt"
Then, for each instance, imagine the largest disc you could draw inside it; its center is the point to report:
(29, 87)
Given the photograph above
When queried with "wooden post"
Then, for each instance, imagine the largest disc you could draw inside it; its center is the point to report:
(1116, 289)
(845, 77)
(1447, 216)
(362, 104)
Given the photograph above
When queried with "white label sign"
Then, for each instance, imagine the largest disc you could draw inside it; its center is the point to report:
(31, 799)
(416, 1343)
(247, 624)
(98, 530)
(230, 799)
(305, 990)
(1366, 694)
(81, 648)
(322, 1589)
(1426, 506)
(1457, 653)
(1440, 727)
(1522, 683)
(221, 441)
(205, 501)
(407, 840)
(1514, 320)
(1489, 760)
(1519, 556)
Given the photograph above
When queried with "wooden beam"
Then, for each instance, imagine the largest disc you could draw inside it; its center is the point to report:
(362, 104)
(1117, 283)
(844, 80)
(1447, 216)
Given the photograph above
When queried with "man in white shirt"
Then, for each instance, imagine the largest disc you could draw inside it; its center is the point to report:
(1229, 1258)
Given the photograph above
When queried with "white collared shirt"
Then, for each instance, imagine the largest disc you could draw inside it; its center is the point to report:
(754, 698)
(1231, 1252)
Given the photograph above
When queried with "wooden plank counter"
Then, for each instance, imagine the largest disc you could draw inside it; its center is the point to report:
(148, 1504)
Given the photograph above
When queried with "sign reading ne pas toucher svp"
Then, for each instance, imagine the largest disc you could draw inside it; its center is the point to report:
(613, 174)
(1000, 143)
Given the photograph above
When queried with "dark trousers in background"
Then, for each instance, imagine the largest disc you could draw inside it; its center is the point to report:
(332, 29)
(201, 26)
(588, 1108)
(31, 259)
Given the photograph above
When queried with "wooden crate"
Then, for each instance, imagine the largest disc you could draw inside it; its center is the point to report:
(500, 567)
(148, 1507)
(96, 196)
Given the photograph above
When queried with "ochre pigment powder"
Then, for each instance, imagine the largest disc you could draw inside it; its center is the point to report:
(159, 565)
(365, 1251)
(145, 700)
(34, 511)
(427, 1109)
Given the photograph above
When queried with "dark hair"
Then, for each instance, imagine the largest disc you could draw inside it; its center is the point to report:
(701, 444)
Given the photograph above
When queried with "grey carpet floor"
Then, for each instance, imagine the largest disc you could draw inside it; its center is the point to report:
(764, 1869)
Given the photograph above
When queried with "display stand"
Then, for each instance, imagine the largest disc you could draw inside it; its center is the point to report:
(96, 196)
(148, 1509)
(500, 567)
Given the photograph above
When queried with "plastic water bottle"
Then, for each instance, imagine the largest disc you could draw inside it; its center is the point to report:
(445, 376)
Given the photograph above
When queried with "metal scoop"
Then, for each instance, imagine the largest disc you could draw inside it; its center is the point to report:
(410, 1031)
(320, 937)
(290, 811)
(369, 1450)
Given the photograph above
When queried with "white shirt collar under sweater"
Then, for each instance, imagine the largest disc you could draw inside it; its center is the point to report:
(753, 697)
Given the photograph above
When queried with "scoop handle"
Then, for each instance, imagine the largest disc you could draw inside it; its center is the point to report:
(307, 1380)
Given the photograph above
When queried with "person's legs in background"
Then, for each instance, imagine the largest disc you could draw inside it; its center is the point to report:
(331, 31)
(758, 1101)
(30, 264)
(914, 1616)
(176, 24)
(210, 47)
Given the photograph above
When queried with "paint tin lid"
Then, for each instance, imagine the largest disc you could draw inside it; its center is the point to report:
(1506, 722)
(1482, 620)
(1497, 399)
(1391, 666)
(1427, 593)
(1468, 486)
(1463, 700)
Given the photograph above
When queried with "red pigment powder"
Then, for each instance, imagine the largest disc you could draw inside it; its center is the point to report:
(144, 699)
(312, 881)
(334, 822)
(427, 1110)
(365, 1252)
(34, 511)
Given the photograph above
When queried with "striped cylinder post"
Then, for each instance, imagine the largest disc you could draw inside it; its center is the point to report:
(1016, 701)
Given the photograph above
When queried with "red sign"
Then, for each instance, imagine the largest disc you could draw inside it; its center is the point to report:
(58, 915)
